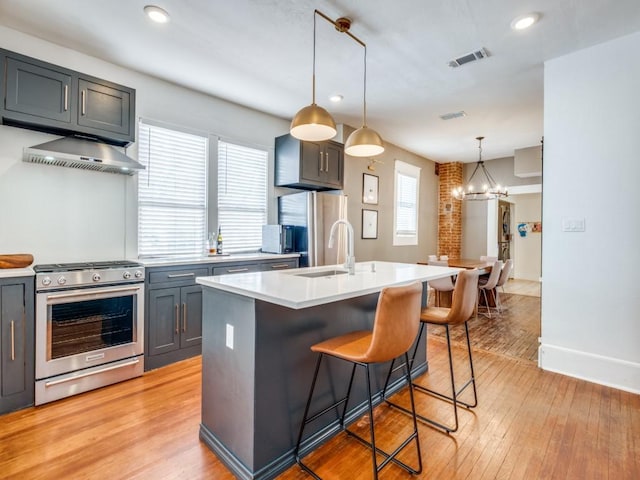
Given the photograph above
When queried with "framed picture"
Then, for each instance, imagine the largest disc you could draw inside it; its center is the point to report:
(369, 189)
(369, 223)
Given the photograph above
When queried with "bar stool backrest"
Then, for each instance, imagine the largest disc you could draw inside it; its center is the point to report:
(464, 298)
(396, 322)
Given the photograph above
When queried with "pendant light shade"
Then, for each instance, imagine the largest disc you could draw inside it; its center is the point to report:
(313, 123)
(364, 142)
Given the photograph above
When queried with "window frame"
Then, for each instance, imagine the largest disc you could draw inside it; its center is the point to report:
(412, 171)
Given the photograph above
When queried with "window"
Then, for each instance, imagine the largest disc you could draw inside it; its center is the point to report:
(242, 196)
(405, 206)
(172, 192)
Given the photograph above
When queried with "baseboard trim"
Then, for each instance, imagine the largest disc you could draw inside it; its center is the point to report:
(607, 371)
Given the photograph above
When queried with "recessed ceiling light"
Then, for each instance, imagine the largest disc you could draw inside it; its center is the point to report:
(336, 98)
(156, 14)
(524, 21)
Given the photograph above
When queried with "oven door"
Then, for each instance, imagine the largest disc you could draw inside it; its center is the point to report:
(81, 328)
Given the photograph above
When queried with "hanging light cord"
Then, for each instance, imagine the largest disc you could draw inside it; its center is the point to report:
(364, 45)
(313, 81)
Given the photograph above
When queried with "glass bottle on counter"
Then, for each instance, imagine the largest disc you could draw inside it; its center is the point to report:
(211, 244)
(219, 241)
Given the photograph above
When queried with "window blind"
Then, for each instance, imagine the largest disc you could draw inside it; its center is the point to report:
(242, 196)
(172, 203)
(407, 180)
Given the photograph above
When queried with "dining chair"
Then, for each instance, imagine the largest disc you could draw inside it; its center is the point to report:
(462, 308)
(444, 258)
(489, 285)
(440, 285)
(504, 276)
(432, 258)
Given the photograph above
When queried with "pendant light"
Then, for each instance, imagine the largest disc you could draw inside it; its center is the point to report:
(364, 142)
(313, 123)
(488, 188)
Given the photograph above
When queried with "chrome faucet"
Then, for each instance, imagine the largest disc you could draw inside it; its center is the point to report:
(350, 263)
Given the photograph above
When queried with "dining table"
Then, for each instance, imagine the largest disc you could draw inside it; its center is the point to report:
(484, 268)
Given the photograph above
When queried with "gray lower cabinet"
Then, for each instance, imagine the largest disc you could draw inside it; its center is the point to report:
(173, 318)
(17, 367)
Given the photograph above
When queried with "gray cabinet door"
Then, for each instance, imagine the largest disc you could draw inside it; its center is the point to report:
(312, 161)
(13, 339)
(334, 164)
(104, 107)
(37, 90)
(164, 321)
(17, 370)
(191, 316)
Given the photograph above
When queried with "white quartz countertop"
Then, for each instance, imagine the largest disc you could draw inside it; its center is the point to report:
(16, 272)
(290, 288)
(239, 257)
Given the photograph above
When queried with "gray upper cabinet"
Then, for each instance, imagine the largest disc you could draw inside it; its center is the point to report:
(34, 90)
(104, 107)
(53, 99)
(308, 165)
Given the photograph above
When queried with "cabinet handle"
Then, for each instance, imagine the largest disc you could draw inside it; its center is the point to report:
(280, 266)
(321, 163)
(13, 340)
(82, 101)
(237, 270)
(179, 275)
(184, 317)
(326, 161)
(177, 319)
(66, 98)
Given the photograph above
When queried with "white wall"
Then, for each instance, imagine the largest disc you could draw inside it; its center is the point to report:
(527, 251)
(590, 300)
(62, 214)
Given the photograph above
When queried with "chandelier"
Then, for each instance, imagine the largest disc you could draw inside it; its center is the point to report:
(483, 189)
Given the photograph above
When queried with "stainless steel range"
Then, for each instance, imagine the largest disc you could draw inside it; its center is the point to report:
(89, 326)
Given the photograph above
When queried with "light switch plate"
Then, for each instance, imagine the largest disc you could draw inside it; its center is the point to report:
(573, 224)
(229, 340)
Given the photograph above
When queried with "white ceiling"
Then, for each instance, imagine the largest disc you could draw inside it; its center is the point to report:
(259, 54)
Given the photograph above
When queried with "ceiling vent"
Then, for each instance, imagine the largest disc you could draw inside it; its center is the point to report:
(449, 116)
(469, 57)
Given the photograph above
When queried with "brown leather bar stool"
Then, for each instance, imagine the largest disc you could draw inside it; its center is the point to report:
(462, 309)
(395, 327)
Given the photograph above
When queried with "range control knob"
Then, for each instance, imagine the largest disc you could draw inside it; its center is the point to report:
(62, 280)
(126, 275)
(138, 274)
(46, 281)
(96, 277)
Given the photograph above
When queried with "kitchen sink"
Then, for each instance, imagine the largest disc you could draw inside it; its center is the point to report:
(322, 273)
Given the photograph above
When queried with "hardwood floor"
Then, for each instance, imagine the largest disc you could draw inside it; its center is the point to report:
(522, 287)
(529, 424)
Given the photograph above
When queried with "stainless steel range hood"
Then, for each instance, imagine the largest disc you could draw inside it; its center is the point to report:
(79, 152)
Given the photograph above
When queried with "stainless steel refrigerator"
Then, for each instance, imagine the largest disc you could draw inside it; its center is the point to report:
(313, 213)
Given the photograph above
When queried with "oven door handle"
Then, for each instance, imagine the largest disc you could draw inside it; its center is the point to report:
(88, 374)
(91, 292)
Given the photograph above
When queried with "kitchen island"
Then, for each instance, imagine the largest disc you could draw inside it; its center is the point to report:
(257, 366)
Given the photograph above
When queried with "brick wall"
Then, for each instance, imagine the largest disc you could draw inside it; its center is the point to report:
(449, 210)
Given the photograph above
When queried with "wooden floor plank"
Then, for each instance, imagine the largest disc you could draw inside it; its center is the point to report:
(529, 424)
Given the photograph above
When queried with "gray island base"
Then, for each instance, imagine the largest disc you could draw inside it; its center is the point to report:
(257, 367)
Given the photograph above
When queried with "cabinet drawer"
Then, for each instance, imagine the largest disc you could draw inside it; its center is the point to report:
(178, 275)
(279, 265)
(241, 268)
